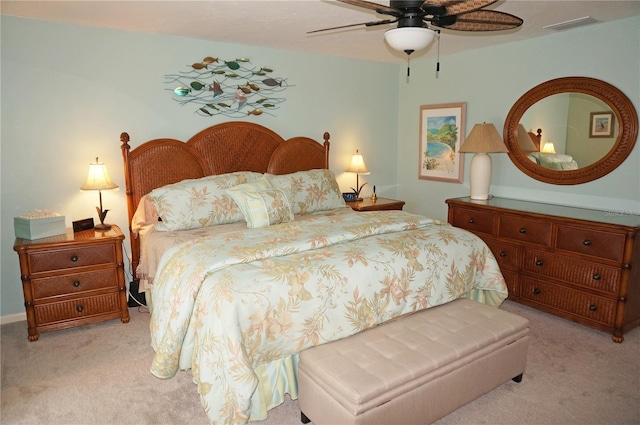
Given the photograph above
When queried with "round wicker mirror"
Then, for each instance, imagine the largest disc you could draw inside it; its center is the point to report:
(619, 115)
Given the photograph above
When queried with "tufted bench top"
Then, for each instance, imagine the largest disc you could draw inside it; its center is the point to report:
(370, 368)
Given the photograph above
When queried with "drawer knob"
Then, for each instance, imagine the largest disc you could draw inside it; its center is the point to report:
(522, 230)
(471, 221)
(539, 262)
(503, 254)
(596, 276)
(74, 258)
(79, 309)
(536, 291)
(593, 307)
(76, 283)
(586, 242)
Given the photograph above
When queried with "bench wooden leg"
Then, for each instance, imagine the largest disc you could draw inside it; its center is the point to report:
(304, 419)
(517, 378)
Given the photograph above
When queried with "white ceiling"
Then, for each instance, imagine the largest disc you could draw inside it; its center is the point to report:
(285, 23)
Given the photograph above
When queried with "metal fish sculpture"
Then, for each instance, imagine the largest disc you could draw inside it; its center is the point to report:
(271, 82)
(216, 89)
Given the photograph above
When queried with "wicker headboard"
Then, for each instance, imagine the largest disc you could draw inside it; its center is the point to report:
(222, 148)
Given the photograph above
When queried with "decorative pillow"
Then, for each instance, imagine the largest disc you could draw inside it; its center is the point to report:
(195, 203)
(263, 207)
(145, 214)
(309, 191)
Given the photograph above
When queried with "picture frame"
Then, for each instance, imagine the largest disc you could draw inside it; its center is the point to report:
(442, 133)
(601, 124)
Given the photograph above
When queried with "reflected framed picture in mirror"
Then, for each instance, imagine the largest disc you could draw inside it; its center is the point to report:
(601, 124)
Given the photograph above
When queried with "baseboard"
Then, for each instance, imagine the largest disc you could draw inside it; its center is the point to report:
(11, 318)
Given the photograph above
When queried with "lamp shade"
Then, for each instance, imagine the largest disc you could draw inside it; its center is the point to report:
(98, 178)
(548, 147)
(409, 38)
(357, 164)
(524, 140)
(483, 138)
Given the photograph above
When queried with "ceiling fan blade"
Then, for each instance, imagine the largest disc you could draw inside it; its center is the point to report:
(371, 5)
(482, 20)
(368, 24)
(457, 7)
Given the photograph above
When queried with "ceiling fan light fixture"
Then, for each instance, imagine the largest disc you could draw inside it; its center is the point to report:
(409, 38)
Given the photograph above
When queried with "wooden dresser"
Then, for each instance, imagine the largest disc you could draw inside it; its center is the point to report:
(72, 279)
(576, 263)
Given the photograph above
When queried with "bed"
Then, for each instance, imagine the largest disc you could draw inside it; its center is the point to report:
(248, 255)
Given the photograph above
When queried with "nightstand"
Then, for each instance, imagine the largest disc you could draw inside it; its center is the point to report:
(379, 204)
(72, 279)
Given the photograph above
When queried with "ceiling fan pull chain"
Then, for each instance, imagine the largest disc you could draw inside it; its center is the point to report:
(438, 61)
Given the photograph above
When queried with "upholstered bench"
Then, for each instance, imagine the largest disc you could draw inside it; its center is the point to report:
(415, 369)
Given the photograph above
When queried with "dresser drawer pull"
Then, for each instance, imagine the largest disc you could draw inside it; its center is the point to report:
(522, 230)
(536, 291)
(76, 283)
(593, 307)
(596, 276)
(539, 262)
(74, 258)
(503, 253)
(471, 221)
(586, 242)
(79, 309)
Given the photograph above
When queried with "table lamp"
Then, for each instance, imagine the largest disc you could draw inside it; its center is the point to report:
(357, 166)
(98, 179)
(483, 139)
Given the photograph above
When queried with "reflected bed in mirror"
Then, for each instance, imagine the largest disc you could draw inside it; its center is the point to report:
(590, 127)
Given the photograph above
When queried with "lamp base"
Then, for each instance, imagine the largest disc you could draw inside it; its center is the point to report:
(480, 176)
(102, 227)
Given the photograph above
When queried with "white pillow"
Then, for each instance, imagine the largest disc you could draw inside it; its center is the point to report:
(263, 207)
(309, 191)
(195, 203)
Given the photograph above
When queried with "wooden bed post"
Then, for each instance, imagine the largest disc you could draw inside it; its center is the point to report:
(326, 144)
(135, 249)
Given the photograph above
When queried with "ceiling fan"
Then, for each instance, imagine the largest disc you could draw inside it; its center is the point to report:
(416, 17)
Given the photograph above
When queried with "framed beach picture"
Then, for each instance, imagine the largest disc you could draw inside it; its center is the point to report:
(441, 136)
(601, 124)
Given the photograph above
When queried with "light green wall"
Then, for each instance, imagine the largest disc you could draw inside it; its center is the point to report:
(69, 91)
(490, 80)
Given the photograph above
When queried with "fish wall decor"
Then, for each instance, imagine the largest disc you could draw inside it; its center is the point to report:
(232, 88)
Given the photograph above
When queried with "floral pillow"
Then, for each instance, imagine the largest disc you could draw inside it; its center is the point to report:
(262, 207)
(195, 203)
(309, 191)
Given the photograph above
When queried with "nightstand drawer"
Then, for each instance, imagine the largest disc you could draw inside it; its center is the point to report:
(591, 242)
(73, 283)
(475, 221)
(524, 230)
(75, 309)
(78, 256)
(587, 274)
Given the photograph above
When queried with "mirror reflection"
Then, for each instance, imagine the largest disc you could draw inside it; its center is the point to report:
(567, 131)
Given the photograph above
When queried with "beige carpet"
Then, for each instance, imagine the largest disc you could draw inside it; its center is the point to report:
(99, 374)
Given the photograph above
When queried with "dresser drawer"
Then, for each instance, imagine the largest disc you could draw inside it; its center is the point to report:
(76, 309)
(588, 274)
(512, 279)
(525, 230)
(591, 242)
(508, 255)
(476, 221)
(74, 283)
(589, 306)
(78, 256)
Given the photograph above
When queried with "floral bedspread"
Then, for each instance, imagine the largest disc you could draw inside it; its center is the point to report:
(247, 297)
